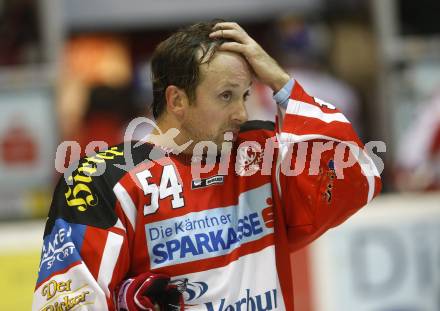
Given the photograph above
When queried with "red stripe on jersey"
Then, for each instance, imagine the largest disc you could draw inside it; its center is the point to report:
(117, 230)
(124, 219)
(378, 185)
(92, 248)
(300, 125)
(131, 184)
(298, 93)
(120, 272)
(321, 105)
(219, 261)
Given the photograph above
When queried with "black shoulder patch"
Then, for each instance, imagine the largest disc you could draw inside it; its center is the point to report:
(86, 196)
(121, 158)
(257, 125)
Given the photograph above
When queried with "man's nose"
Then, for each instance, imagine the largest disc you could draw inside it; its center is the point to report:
(240, 113)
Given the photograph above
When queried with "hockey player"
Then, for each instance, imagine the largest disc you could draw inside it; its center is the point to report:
(209, 227)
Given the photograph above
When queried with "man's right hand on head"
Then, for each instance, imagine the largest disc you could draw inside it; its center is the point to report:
(264, 66)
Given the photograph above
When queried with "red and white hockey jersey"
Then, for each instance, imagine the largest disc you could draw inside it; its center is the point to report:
(225, 235)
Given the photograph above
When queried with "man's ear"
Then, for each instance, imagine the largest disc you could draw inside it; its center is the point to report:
(177, 100)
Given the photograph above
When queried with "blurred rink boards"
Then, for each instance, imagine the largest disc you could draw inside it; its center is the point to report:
(27, 148)
(20, 245)
(385, 258)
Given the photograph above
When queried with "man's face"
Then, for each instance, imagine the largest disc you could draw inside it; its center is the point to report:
(219, 104)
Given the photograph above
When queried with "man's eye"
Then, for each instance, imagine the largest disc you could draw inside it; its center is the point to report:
(246, 95)
(226, 96)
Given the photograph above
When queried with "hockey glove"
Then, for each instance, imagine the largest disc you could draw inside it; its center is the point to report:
(149, 292)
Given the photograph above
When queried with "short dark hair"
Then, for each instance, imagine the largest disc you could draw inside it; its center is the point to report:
(176, 61)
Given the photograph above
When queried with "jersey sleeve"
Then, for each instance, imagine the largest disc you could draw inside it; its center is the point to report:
(85, 251)
(323, 173)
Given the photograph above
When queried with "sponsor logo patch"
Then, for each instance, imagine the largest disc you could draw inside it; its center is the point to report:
(60, 295)
(60, 248)
(206, 182)
(195, 290)
(79, 193)
(260, 302)
(209, 233)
